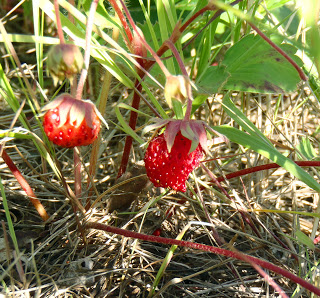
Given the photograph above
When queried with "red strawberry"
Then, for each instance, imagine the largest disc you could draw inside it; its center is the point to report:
(71, 122)
(171, 169)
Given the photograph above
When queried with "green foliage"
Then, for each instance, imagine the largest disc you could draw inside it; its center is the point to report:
(252, 65)
(306, 149)
(224, 58)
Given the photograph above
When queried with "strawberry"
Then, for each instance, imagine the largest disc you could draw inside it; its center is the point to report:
(64, 61)
(70, 122)
(171, 169)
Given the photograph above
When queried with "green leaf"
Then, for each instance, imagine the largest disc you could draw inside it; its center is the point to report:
(101, 17)
(254, 66)
(304, 239)
(306, 149)
(126, 128)
(213, 80)
(177, 108)
(233, 112)
(197, 102)
(259, 146)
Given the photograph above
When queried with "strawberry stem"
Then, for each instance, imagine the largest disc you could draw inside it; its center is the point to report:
(129, 36)
(77, 172)
(59, 26)
(281, 52)
(153, 53)
(25, 185)
(176, 54)
(132, 123)
(214, 17)
(198, 246)
(84, 71)
(265, 167)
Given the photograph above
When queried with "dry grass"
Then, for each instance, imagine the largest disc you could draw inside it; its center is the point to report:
(60, 260)
(57, 261)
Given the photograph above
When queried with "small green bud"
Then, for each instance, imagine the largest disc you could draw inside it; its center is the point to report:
(64, 61)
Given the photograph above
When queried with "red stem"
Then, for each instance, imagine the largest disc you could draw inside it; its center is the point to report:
(25, 185)
(266, 167)
(132, 123)
(215, 16)
(216, 250)
(59, 26)
(123, 21)
(192, 18)
(143, 41)
(280, 51)
(136, 98)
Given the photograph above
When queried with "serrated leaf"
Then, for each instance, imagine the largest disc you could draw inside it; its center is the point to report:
(253, 66)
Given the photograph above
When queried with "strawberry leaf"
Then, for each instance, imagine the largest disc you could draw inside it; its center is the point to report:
(252, 65)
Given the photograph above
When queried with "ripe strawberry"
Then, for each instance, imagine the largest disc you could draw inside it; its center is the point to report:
(171, 169)
(71, 122)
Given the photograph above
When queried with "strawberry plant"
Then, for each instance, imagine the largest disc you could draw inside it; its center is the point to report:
(133, 126)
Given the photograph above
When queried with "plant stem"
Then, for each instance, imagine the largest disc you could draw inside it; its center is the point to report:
(142, 39)
(77, 172)
(198, 246)
(59, 26)
(25, 185)
(280, 51)
(132, 123)
(266, 167)
(176, 54)
(215, 16)
(193, 17)
(123, 22)
(102, 108)
(84, 71)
